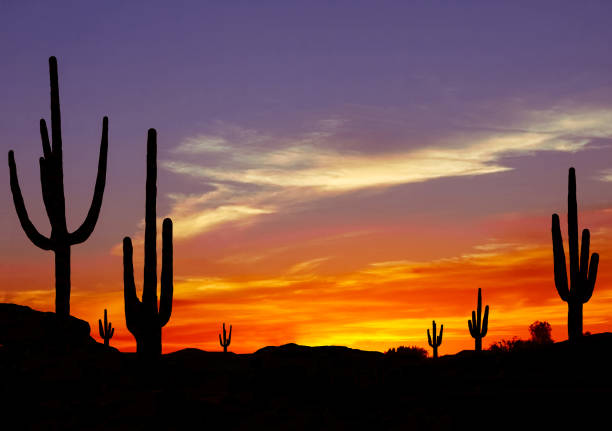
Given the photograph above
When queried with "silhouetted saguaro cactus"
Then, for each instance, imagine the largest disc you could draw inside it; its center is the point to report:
(107, 331)
(52, 183)
(143, 318)
(436, 340)
(226, 340)
(582, 276)
(478, 327)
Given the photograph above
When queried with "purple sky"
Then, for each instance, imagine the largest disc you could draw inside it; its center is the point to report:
(373, 77)
(276, 116)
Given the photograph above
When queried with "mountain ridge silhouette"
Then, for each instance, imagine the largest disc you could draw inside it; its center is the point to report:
(66, 386)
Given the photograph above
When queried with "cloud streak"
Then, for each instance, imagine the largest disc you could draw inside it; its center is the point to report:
(256, 174)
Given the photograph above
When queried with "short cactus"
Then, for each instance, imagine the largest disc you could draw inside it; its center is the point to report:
(225, 342)
(106, 331)
(436, 340)
(478, 327)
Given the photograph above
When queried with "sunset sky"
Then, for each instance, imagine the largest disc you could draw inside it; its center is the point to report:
(338, 173)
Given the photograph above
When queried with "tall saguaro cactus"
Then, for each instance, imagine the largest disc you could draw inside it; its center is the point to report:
(52, 183)
(143, 318)
(107, 331)
(435, 342)
(582, 275)
(478, 327)
(226, 340)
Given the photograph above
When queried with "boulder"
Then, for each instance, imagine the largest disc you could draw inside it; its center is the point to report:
(22, 327)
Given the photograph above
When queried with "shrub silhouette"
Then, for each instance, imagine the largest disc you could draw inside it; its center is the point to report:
(582, 275)
(412, 352)
(478, 327)
(143, 318)
(508, 345)
(106, 331)
(435, 342)
(52, 184)
(540, 332)
(226, 340)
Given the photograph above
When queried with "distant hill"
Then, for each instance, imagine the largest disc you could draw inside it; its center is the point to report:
(54, 381)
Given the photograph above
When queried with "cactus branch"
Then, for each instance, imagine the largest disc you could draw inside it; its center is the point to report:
(36, 237)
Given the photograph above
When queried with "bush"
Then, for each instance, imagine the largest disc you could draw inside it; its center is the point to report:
(540, 332)
(509, 345)
(412, 352)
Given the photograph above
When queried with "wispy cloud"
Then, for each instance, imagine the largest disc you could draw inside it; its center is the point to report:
(307, 265)
(606, 175)
(255, 173)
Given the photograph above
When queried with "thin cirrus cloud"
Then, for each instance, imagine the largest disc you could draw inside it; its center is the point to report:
(606, 175)
(255, 174)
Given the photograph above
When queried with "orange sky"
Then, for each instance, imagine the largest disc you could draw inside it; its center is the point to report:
(309, 291)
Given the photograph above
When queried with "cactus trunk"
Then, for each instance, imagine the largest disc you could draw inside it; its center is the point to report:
(149, 343)
(62, 281)
(574, 319)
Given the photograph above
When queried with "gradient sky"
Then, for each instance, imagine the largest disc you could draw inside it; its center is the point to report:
(338, 173)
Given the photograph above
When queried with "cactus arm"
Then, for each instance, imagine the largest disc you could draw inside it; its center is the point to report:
(470, 327)
(589, 285)
(429, 339)
(167, 288)
(85, 230)
(584, 254)
(440, 337)
(100, 329)
(559, 260)
(44, 137)
(36, 237)
(46, 190)
(112, 331)
(149, 290)
(229, 339)
(220, 342)
(485, 322)
(132, 303)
